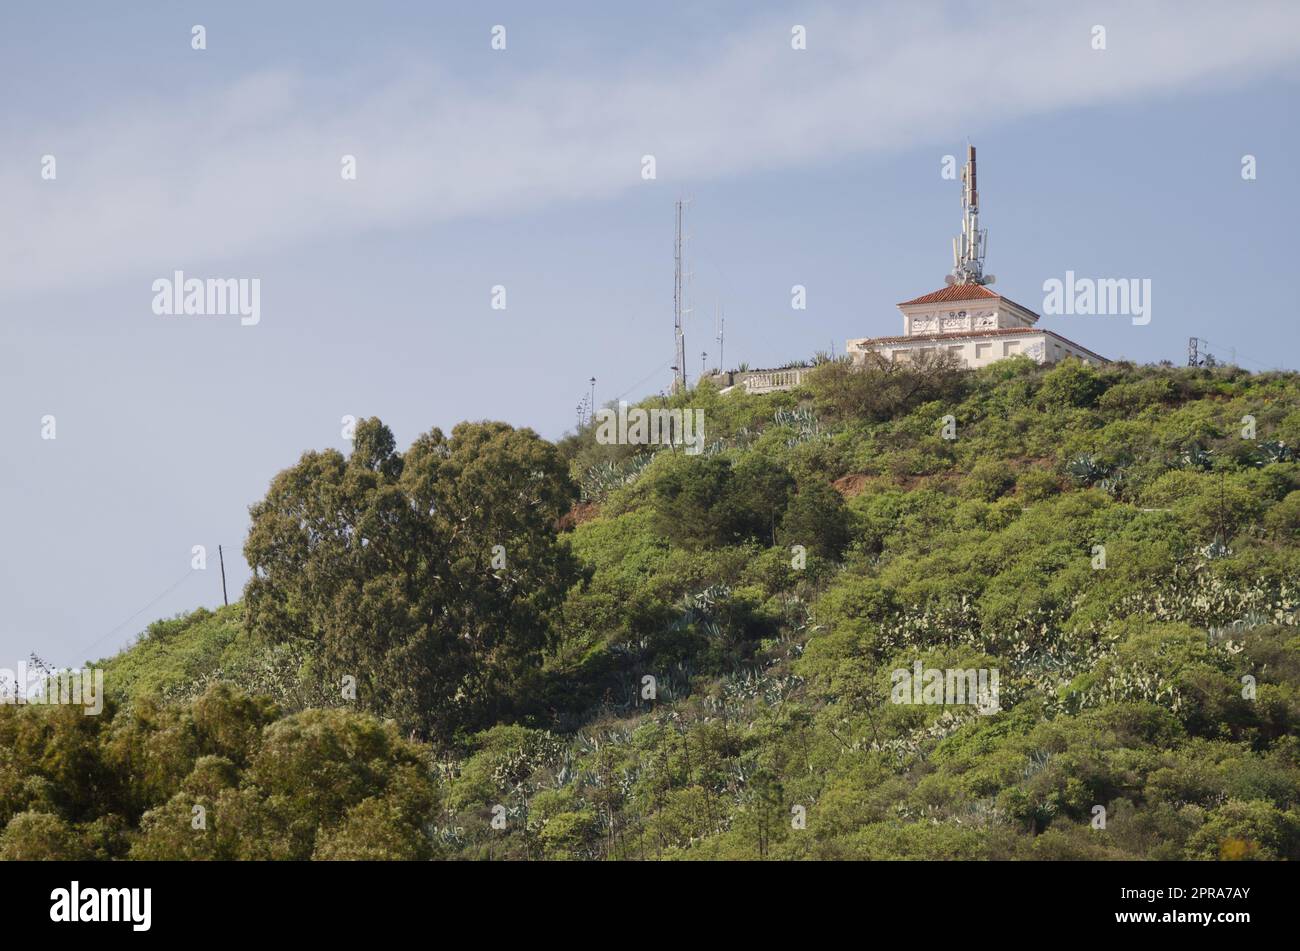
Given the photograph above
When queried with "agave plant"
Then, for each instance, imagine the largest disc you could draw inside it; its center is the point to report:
(802, 421)
(1037, 762)
(1112, 483)
(1215, 550)
(1197, 458)
(602, 479)
(1087, 469)
(1274, 450)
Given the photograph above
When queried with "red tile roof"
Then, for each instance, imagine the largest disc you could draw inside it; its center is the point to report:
(960, 292)
(954, 292)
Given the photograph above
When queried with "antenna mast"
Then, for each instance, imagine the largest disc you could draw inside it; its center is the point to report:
(1198, 353)
(679, 305)
(970, 247)
(720, 324)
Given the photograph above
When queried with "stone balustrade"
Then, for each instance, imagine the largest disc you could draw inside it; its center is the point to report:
(768, 381)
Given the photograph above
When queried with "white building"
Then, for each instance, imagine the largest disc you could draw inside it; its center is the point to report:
(965, 318)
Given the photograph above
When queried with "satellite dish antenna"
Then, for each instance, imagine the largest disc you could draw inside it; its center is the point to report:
(949, 279)
(989, 279)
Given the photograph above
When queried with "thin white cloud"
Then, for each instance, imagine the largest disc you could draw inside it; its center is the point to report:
(254, 166)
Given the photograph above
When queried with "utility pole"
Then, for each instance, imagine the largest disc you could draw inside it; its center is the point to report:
(222, 557)
(593, 397)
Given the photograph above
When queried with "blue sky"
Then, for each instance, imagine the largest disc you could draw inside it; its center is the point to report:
(521, 167)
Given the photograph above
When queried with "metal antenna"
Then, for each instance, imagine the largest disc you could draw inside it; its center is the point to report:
(1198, 353)
(720, 327)
(969, 248)
(681, 279)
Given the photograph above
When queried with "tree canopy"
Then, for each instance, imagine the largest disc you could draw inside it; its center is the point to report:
(427, 576)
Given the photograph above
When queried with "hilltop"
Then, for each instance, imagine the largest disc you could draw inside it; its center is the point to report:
(695, 656)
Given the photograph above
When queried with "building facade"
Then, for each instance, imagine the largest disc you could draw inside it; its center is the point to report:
(975, 325)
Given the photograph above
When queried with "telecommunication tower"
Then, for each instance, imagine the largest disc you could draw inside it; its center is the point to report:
(970, 247)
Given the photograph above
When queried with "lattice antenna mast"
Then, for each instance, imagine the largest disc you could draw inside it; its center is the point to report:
(1198, 353)
(970, 247)
(681, 278)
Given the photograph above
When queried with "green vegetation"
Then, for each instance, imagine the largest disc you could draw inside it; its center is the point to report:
(674, 656)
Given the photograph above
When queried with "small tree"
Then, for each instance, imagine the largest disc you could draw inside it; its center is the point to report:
(39, 836)
(817, 519)
(878, 389)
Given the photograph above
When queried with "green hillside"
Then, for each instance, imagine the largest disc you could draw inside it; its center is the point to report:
(492, 646)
